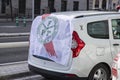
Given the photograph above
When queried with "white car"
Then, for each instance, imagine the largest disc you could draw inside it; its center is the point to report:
(116, 68)
(74, 45)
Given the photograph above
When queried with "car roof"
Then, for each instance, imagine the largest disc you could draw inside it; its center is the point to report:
(77, 14)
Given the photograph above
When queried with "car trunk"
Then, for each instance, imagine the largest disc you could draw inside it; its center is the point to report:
(51, 42)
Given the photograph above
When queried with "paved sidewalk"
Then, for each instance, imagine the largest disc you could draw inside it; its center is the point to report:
(13, 68)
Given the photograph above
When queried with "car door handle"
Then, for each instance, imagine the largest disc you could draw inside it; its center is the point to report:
(116, 44)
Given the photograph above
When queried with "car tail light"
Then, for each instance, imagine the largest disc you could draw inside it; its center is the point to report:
(77, 44)
(115, 66)
(114, 69)
(115, 72)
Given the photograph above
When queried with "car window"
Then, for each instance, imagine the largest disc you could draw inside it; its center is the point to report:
(98, 29)
(116, 28)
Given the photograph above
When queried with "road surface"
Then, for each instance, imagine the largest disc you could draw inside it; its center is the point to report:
(8, 55)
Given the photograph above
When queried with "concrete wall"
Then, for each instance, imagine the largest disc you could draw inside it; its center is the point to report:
(114, 3)
(109, 5)
(15, 3)
(57, 5)
(90, 4)
(44, 4)
(29, 7)
(0, 6)
(15, 6)
(82, 5)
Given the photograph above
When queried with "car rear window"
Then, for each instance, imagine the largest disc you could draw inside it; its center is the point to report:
(98, 29)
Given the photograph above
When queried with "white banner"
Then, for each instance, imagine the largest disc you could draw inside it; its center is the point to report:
(51, 37)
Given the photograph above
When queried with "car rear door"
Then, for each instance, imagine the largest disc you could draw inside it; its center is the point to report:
(115, 35)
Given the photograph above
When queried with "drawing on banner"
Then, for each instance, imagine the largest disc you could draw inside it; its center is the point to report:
(51, 38)
(46, 32)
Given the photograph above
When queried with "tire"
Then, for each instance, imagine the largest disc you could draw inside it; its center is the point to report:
(100, 72)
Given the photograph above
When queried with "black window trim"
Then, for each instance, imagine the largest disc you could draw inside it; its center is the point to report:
(108, 36)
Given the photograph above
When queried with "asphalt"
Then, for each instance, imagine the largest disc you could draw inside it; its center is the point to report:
(18, 68)
(16, 54)
(10, 70)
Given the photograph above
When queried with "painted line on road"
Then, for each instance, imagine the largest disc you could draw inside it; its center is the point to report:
(13, 63)
(14, 44)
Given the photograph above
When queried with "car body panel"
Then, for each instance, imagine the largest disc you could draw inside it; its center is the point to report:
(96, 51)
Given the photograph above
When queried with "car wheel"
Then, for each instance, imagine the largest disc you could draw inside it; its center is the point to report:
(100, 72)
